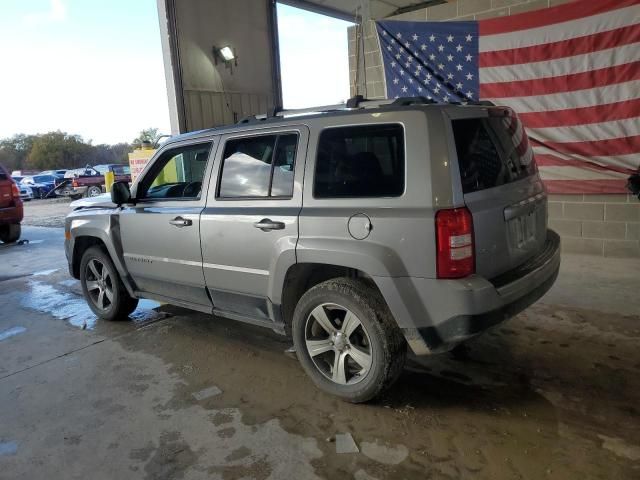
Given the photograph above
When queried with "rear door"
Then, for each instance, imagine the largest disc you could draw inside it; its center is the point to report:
(251, 218)
(500, 186)
(5, 189)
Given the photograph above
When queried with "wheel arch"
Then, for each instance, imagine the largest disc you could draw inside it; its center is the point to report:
(103, 231)
(300, 277)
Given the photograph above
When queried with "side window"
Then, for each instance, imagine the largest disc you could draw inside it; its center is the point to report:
(177, 174)
(366, 161)
(259, 167)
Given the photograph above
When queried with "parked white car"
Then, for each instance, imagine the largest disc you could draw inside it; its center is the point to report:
(26, 193)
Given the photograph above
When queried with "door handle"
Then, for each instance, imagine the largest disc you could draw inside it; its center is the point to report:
(181, 222)
(267, 224)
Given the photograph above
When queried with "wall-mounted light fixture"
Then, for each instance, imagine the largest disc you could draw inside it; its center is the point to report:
(226, 55)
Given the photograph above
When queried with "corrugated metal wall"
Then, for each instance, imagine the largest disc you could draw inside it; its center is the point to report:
(206, 108)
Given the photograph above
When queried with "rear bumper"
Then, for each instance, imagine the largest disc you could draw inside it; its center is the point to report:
(436, 315)
(11, 215)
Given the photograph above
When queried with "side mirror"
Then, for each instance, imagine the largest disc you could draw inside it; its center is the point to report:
(120, 193)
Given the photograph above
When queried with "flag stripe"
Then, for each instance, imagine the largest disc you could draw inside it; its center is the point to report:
(599, 131)
(584, 115)
(551, 51)
(562, 83)
(555, 33)
(610, 146)
(579, 173)
(556, 161)
(583, 98)
(563, 66)
(589, 187)
(553, 16)
(621, 163)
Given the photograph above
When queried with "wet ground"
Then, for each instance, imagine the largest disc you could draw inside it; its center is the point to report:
(553, 393)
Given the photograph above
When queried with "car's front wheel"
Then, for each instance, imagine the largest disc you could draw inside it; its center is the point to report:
(346, 339)
(102, 287)
(10, 233)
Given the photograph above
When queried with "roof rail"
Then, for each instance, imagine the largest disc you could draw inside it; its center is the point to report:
(405, 101)
(356, 102)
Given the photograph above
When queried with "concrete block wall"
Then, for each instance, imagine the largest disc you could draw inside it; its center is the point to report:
(604, 225)
(366, 73)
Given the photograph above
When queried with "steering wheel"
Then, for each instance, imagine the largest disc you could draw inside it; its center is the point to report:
(192, 189)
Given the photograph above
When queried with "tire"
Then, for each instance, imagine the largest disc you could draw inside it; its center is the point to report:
(96, 282)
(372, 337)
(10, 233)
(94, 191)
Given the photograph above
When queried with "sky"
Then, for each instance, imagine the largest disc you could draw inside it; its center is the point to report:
(94, 68)
(313, 58)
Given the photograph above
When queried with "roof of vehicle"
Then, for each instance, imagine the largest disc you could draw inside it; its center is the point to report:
(355, 105)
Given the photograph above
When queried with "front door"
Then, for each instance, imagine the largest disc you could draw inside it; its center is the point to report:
(251, 218)
(161, 232)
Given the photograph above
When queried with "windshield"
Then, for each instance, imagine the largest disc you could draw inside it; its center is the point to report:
(492, 151)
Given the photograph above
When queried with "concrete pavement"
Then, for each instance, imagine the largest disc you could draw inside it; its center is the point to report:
(553, 393)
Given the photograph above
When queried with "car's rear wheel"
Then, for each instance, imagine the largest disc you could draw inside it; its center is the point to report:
(102, 287)
(346, 339)
(94, 191)
(10, 233)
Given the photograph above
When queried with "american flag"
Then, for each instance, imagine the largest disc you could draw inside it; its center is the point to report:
(572, 72)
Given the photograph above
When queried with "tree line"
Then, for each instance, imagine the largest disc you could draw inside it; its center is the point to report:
(56, 150)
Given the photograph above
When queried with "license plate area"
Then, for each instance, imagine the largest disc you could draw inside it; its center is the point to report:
(522, 229)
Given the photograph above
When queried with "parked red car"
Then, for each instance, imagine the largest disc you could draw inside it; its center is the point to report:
(11, 212)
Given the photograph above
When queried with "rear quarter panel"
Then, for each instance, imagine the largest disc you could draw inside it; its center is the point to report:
(402, 239)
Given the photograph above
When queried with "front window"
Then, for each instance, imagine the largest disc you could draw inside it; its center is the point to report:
(363, 161)
(177, 174)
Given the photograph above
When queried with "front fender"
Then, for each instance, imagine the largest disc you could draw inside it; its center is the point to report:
(105, 226)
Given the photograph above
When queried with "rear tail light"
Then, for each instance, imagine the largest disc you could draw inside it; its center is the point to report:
(15, 191)
(454, 243)
(74, 183)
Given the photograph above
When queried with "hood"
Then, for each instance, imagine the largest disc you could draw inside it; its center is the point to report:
(100, 201)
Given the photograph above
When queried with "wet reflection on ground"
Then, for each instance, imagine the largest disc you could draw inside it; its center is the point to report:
(67, 303)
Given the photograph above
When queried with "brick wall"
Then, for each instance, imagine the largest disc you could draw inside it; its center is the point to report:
(605, 225)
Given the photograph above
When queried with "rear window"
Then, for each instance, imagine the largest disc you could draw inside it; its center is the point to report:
(492, 151)
(364, 161)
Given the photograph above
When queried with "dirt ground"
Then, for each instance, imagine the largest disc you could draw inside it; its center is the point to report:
(46, 212)
(553, 393)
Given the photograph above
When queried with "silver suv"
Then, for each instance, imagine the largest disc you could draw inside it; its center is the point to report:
(357, 229)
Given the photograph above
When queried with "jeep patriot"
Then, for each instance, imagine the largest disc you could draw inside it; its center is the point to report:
(359, 230)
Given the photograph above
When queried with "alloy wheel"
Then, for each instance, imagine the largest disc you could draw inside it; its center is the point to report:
(338, 344)
(99, 284)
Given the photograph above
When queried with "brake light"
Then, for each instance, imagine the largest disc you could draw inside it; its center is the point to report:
(15, 191)
(74, 183)
(454, 243)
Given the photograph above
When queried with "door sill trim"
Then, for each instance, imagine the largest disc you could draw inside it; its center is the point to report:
(173, 301)
(276, 327)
